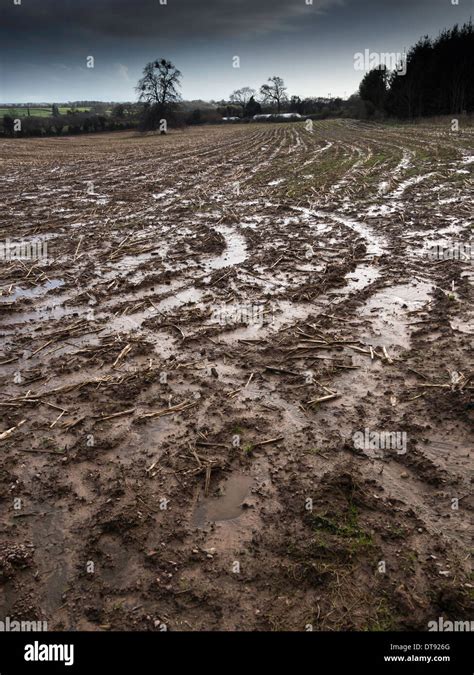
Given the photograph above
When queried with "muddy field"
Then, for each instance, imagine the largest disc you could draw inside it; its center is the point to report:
(221, 311)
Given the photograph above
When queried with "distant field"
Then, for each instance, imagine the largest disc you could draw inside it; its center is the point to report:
(37, 112)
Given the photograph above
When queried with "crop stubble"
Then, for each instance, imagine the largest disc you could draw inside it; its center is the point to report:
(159, 431)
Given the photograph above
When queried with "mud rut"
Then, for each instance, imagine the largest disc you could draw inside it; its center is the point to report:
(165, 446)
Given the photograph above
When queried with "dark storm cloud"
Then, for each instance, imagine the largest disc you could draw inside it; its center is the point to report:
(178, 18)
(44, 43)
(146, 18)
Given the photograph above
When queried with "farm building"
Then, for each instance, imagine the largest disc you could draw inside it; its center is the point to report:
(279, 116)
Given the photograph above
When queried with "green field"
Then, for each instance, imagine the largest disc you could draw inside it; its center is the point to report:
(37, 112)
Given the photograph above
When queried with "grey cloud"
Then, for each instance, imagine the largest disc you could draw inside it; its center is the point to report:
(147, 18)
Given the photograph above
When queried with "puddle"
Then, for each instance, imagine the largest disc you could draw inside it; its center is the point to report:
(410, 182)
(235, 251)
(466, 327)
(187, 295)
(35, 292)
(126, 324)
(45, 313)
(234, 254)
(131, 322)
(311, 215)
(359, 279)
(387, 312)
(228, 506)
(444, 247)
(376, 244)
(128, 264)
(414, 295)
(285, 312)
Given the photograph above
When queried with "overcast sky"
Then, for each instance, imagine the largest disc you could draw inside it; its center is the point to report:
(44, 44)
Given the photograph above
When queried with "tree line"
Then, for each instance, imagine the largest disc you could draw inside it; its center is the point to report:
(69, 123)
(438, 79)
(159, 91)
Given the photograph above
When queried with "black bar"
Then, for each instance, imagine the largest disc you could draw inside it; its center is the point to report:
(217, 652)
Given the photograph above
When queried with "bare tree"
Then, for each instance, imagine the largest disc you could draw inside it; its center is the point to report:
(160, 84)
(242, 96)
(275, 92)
